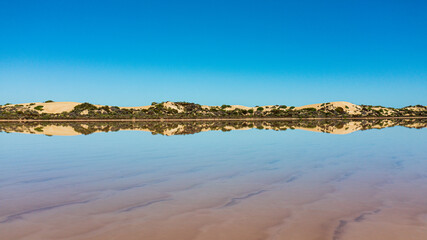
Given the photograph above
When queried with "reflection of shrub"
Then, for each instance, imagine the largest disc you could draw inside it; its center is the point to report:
(39, 129)
(38, 108)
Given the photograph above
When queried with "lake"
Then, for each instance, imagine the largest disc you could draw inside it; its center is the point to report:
(243, 180)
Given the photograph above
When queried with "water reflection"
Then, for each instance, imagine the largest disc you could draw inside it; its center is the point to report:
(243, 185)
(191, 127)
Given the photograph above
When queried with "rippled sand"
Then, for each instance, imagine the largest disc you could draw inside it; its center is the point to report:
(239, 185)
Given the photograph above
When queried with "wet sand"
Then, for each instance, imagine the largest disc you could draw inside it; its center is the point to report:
(297, 188)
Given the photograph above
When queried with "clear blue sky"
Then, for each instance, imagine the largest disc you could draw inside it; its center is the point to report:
(214, 52)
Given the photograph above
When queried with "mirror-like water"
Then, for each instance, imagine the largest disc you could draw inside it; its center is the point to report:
(252, 184)
(66, 128)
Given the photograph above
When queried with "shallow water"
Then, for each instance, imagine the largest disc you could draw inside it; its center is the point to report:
(247, 184)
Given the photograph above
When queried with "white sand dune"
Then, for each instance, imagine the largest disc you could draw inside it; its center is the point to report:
(52, 107)
(347, 107)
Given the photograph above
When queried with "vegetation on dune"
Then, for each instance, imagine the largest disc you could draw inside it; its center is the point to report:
(339, 110)
(84, 106)
(38, 108)
(186, 110)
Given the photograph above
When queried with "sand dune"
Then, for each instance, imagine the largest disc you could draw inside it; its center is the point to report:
(52, 107)
(59, 107)
(345, 107)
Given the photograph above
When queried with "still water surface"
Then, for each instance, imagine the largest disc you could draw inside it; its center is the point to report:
(243, 185)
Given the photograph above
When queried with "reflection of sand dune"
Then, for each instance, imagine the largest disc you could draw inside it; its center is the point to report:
(182, 128)
(48, 130)
(331, 130)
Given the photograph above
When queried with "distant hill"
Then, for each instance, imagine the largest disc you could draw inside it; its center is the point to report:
(181, 110)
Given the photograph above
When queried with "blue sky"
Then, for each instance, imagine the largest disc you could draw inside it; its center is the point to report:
(214, 52)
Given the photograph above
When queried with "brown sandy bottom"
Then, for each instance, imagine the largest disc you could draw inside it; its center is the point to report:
(342, 197)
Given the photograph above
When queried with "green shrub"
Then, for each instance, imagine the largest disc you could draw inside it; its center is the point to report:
(260, 109)
(84, 106)
(339, 109)
(38, 108)
(48, 101)
(276, 111)
(105, 108)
